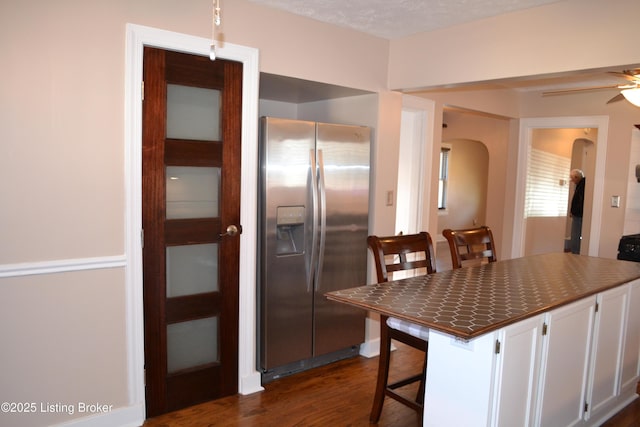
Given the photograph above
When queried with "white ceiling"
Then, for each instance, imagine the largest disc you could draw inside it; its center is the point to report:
(392, 19)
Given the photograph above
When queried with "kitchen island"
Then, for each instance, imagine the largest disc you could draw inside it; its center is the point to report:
(544, 340)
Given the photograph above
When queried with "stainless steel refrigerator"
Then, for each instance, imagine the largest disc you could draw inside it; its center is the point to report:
(314, 202)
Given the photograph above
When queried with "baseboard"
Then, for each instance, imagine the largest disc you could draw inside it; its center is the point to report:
(621, 404)
(282, 371)
(370, 349)
(130, 416)
(251, 384)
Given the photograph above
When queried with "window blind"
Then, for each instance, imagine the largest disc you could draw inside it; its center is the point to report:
(547, 190)
(444, 177)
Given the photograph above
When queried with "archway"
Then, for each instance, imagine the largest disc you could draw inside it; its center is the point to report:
(462, 190)
(466, 188)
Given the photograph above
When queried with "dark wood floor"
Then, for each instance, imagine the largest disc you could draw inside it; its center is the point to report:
(335, 395)
(339, 394)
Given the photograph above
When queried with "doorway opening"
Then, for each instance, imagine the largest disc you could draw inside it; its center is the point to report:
(554, 153)
(594, 188)
(467, 184)
(632, 206)
(413, 189)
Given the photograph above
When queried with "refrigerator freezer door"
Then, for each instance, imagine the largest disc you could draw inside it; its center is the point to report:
(286, 233)
(343, 156)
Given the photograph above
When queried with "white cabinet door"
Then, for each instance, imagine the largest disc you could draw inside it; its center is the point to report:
(564, 365)
(630, 360)
(517, 373)
(606, 354)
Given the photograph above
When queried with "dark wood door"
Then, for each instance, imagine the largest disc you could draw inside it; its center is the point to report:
(191, 195)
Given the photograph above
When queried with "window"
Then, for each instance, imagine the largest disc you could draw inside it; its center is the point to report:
(547, 190)
(444, 176)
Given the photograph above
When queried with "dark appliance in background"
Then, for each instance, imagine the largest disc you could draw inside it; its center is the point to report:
(629, 248)
(313, 227)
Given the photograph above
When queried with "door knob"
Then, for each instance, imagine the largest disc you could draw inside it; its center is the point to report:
(232, 230)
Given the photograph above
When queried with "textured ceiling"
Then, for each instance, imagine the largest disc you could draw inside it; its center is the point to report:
(392, 19)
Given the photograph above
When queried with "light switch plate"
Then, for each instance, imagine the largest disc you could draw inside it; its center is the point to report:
(615, 201)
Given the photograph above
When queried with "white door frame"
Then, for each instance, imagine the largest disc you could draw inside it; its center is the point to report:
(421, 138)
(526, 132)
(136, 38)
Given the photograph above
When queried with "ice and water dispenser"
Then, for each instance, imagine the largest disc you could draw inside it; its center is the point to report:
(290, 230)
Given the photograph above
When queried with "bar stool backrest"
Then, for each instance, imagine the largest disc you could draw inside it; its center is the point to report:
(472, 244)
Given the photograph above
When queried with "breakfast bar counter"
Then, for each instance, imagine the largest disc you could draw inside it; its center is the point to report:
(544, 340)
(472, 301)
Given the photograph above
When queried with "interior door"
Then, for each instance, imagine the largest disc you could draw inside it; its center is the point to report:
(190, 216)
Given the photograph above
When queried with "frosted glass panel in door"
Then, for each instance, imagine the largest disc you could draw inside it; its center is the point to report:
(192, 343)
(192, 269)
(193, 113)
(192, 192)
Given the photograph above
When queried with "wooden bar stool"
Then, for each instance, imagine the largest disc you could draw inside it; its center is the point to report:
(413, 253)
(471, 244)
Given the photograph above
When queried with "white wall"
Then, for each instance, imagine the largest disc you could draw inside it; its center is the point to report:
(300, 47)
(548, 39)
(544, 235)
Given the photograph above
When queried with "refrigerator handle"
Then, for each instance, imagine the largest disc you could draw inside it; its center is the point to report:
(323, 219)
(312, 267)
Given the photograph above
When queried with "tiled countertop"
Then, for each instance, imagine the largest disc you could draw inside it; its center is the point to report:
(472, 301)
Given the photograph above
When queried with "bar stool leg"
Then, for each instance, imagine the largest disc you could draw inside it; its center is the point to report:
(383, 371)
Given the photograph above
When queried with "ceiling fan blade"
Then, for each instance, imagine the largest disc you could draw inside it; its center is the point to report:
(618, 97)
(582, 89)
(629, 75)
